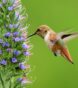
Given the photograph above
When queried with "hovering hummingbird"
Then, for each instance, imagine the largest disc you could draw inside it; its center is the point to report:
(55, 41)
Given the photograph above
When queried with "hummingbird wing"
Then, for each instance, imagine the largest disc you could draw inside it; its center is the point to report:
(68, 36)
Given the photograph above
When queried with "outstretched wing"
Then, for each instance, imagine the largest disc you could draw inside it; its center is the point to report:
(68, 36)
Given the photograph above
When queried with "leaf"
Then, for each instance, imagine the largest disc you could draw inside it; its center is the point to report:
(2, 82)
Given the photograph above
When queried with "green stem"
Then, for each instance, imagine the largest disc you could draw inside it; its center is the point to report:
(2, 82)
(10, 84)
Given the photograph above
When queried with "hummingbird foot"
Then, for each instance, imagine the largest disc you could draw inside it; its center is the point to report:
(57, 53)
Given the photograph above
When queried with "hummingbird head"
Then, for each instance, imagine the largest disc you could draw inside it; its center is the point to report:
(41, 31)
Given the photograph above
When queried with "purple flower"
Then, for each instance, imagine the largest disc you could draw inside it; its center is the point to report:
(1, 41)
(17, 14)
(19, 79)
(0, 52)
(8, 49)
(23, 80)
(22, 39)
(4, 1)
(10, 8)
(14, 60)
(10, 25)
(26, 53)
(17, 39)
(8, 34)
(5, 44)
(3, 62)
(15, 25)
(15, 34)
(25, 46)
(22, 66)
(16, 52)
(0, 5)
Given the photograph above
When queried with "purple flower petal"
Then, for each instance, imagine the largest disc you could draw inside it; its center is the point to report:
(17, 39)
(8, 49)
(15, 34)
(17, 14)
(19, 79)
(0, 5)
(1, 41)
(10, 26)
(22, 66)
(10, 8)
(8, 34)
(14, 60)
(4, 1)
(5, 44)
(16, 52)
(26, 53)
(23, 80)
(15, 25)
(22, 39)
(3, 62)
(25, 46)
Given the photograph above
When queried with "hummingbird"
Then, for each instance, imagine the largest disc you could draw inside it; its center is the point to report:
(56, 42)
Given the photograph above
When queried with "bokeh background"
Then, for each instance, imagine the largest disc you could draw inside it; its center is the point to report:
(49, 71)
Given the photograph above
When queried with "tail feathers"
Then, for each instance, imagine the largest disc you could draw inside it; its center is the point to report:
(65, 53)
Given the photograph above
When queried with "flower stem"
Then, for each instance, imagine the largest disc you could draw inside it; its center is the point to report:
(2, 82)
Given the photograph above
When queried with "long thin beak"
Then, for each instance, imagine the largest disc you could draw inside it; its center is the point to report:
(31, 35)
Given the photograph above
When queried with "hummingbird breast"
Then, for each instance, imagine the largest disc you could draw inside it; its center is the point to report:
(48, 41)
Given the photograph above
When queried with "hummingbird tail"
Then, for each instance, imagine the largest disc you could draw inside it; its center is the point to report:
(65, 53)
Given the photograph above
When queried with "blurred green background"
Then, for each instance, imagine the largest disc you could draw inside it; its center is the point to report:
(49, 71)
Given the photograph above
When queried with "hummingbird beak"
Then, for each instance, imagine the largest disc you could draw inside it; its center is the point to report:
(31, 35)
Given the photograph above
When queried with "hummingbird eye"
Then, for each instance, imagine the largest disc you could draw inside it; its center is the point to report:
(38, 29)
(45, 31)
